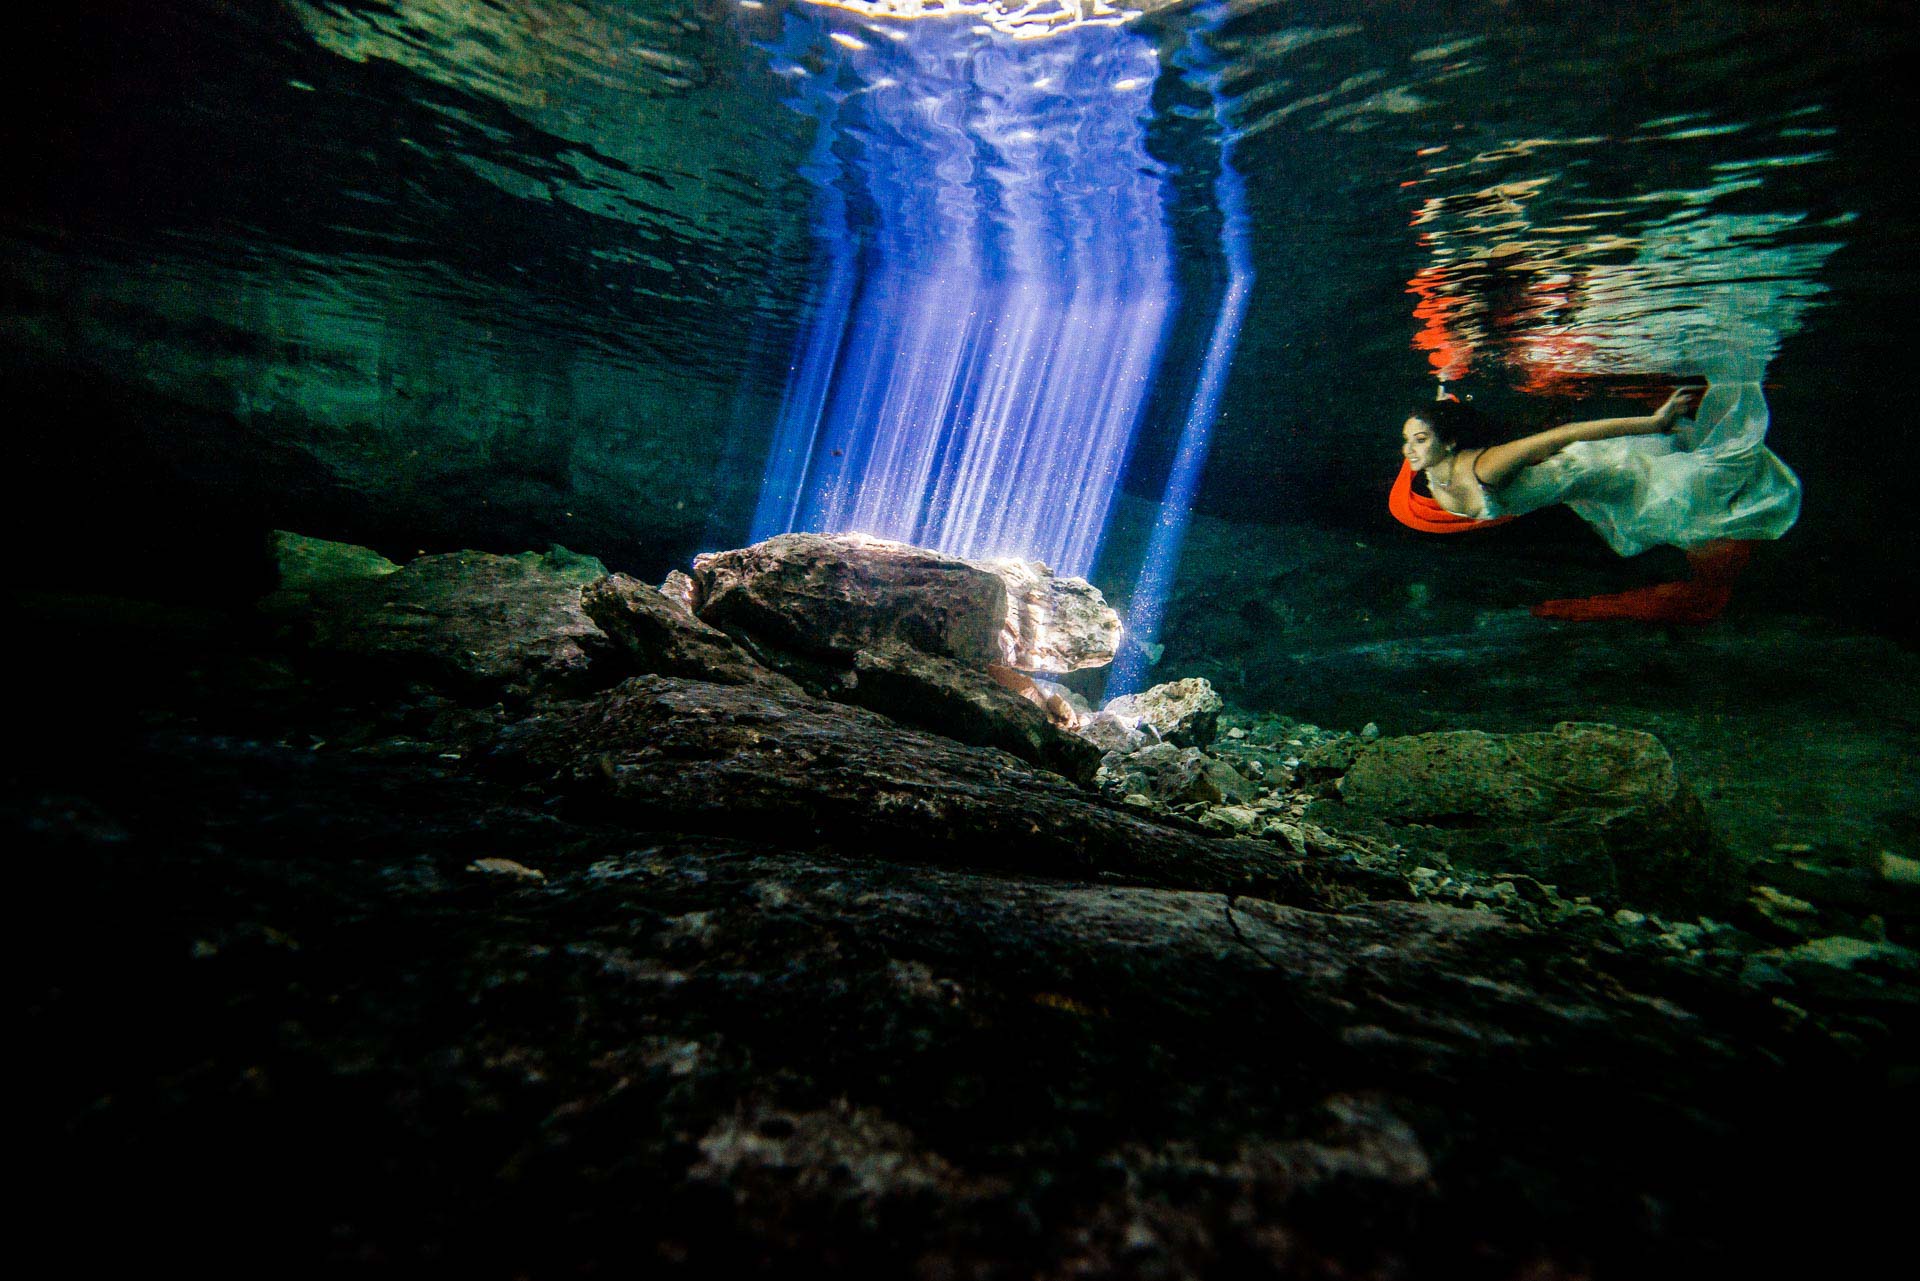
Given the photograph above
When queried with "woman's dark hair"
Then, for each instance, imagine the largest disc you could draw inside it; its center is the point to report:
(1457, 423)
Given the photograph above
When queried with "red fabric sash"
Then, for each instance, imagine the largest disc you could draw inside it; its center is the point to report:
(1418, 511)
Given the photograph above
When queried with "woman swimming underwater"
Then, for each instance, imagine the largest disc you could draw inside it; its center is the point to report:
(1640, 482)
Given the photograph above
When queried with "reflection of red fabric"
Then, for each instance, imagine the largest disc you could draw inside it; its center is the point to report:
(1418, 511)
(1698, 600)
(1436, 311)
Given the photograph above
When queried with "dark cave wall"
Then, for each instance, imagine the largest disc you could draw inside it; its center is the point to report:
(161, 403)
(265, 265)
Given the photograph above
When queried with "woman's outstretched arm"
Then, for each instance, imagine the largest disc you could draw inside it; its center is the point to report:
(1497, 462)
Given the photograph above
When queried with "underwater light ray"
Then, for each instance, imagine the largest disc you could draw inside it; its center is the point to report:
(1147, 605)
(858, 387)
(992, 371)
(803, 404)
(994, 422)
(1087, 514)
(1072, 429)
(803, 399)
(1038, 449)
(902, 450)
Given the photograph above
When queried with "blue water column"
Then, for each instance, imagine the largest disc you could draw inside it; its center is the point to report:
(995, 285)
(1147, 602)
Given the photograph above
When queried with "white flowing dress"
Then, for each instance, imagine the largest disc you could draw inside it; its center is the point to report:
(1714, 479)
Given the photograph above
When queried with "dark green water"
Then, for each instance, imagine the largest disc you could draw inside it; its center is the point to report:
(430, 274)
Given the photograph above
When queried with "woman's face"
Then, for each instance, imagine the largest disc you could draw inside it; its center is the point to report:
(1421, 447)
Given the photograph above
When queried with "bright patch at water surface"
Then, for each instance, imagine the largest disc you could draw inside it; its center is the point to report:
(1031, 20)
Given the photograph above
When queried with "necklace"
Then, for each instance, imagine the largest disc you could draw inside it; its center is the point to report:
(1453, 461)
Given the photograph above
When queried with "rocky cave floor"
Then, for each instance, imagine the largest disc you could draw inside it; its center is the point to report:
(330, 968)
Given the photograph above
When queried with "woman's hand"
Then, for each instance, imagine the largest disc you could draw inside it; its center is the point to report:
(1679, 405)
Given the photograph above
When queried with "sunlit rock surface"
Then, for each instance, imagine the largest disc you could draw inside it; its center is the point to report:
(1183, 711)
(912, 633)
(833, 595)
(1055, 623)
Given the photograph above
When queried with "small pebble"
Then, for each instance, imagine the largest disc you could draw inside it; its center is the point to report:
(1897, 869)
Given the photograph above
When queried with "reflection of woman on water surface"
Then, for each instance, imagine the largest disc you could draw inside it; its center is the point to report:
(1632, 479)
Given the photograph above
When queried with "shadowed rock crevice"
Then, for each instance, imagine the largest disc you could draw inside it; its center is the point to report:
(685, 754)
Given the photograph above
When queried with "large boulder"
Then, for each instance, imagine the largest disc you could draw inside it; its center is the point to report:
(916, 635)
(1594, 809)
(1054, 624)
(802, 773)
(828, 596)
(656, 633)
(954, 700)
(837, 593)
(472, 622)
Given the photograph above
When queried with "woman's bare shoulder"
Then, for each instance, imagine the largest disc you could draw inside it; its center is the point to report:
(1463, 495)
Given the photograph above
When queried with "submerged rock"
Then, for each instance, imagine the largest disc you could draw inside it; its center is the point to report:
(902, 631)
(913, 634)
(746, 1057)
(655, 633)
(1593, 809)
(953, 700)
(836, 593)
(678, 587)
(691, 756)
(1173, 776)
(1111, 733)
(470, 621)
(830, 596)
(1055, 624)
(1184, 712)
(729, 980)
(1162, 773)
(306, 565)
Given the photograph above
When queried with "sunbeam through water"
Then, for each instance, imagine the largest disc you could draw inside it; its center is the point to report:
(1169, 529)
(975, 366)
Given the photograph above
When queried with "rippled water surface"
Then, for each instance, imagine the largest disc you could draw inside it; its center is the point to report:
(1553, 201)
